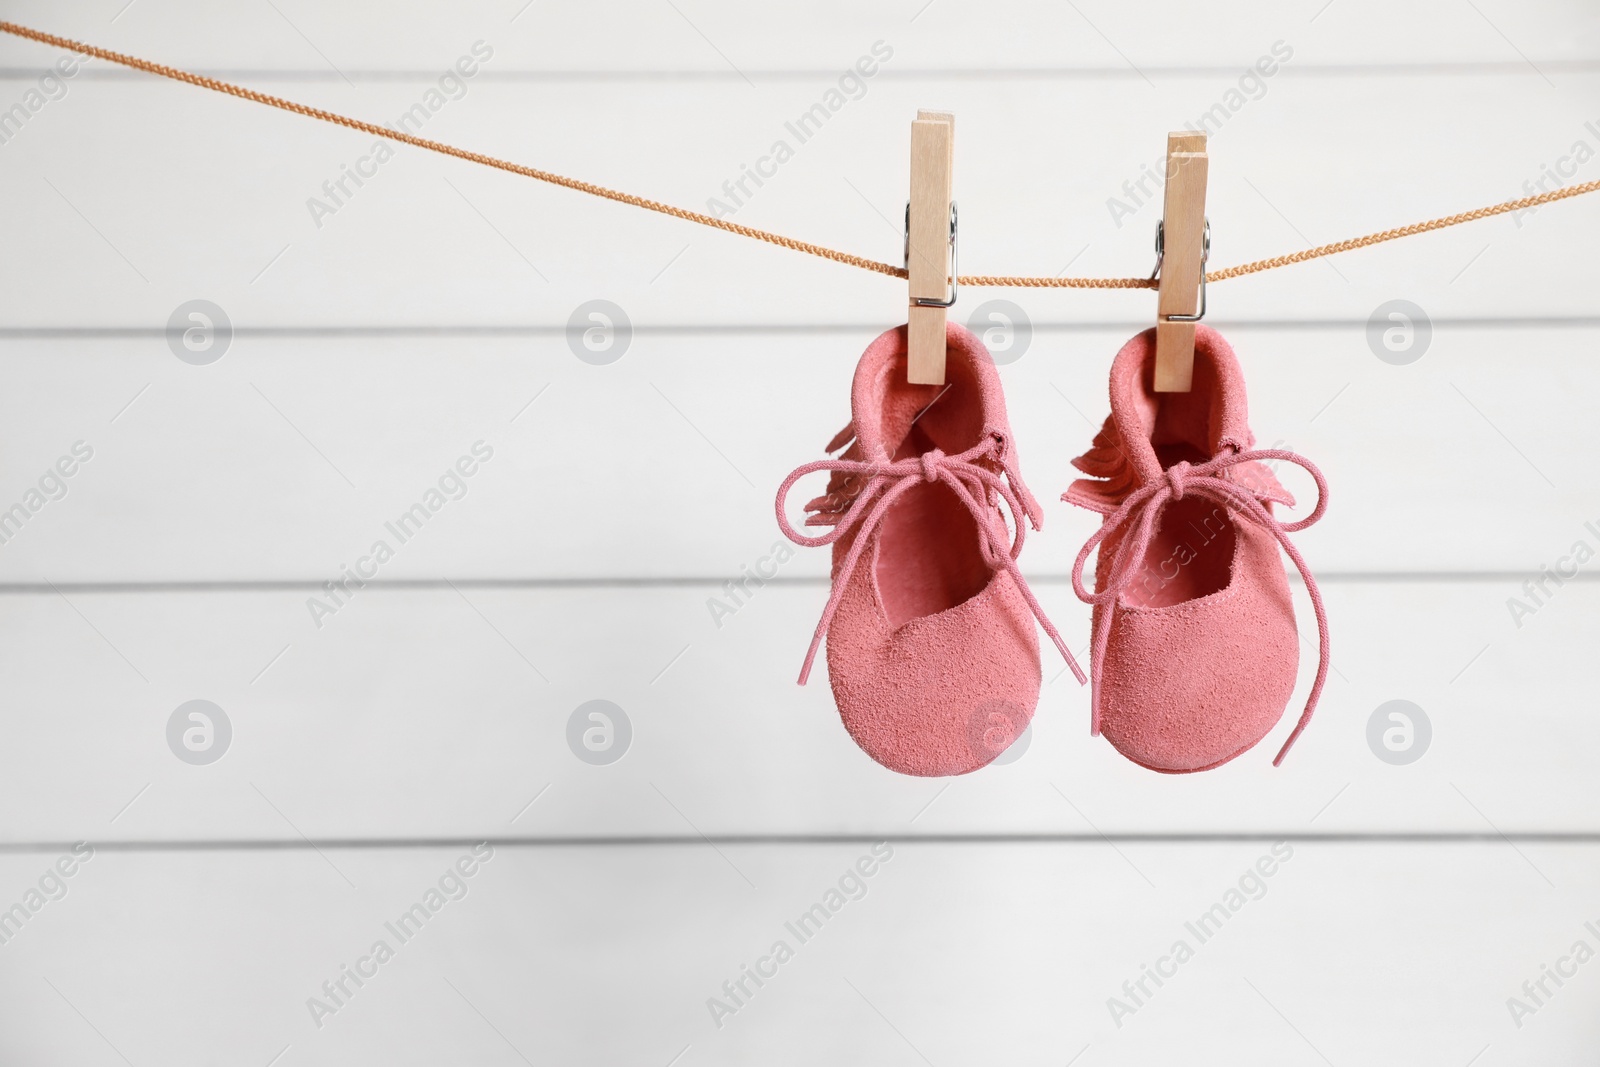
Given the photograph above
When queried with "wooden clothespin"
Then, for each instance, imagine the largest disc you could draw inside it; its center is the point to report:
(1183, 243)
(930, 245)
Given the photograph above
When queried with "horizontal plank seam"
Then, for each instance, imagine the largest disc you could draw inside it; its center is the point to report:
(395, 585)
(1445, 68)
(690, 328)
(1441, 837)
(694, 329)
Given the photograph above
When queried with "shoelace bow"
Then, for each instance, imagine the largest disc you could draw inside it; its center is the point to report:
(1144, 506)
(885, 483)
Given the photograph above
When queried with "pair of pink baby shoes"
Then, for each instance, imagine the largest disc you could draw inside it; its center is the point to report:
(932, 650)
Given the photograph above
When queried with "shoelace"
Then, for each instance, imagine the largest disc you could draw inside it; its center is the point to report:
(887, 482)
(1144, 506)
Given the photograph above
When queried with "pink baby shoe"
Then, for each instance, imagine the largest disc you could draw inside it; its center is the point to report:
(1195, 649)
(931, 645)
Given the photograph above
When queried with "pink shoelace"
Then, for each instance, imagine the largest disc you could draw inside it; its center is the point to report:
(1144, 507)
(974, 485)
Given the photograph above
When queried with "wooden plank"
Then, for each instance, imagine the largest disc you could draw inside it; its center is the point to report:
(430, 712)
(611, 955)
(722, 40)
(430, 241)
(237, 470)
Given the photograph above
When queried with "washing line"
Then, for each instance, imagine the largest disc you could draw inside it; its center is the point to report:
(846, 258)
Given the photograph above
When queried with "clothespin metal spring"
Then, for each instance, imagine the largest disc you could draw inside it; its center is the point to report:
(1205, 257)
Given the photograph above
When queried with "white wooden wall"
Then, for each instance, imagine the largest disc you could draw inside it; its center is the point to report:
(430, 312)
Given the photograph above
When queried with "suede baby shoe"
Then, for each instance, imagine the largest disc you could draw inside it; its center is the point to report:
(1195, 651)
(932, 652)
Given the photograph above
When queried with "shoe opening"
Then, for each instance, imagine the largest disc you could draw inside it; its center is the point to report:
(1191, 552)
(928, 555)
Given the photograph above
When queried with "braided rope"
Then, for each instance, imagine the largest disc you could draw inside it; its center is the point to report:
(1402, 231)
